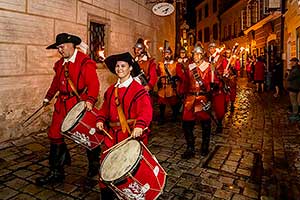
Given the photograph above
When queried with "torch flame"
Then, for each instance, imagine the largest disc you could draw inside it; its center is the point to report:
(101, 54)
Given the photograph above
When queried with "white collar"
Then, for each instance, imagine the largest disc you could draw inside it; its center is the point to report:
(72, 59)
(143, 58)
(182, 60)
(169, 62)
(214, 58)
(125, 83)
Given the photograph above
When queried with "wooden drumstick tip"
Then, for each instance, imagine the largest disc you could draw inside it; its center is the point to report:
(106, 133)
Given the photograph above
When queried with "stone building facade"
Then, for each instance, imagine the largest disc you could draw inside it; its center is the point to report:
(28, 26)
(292, 31)
(207, 24)
(264, 27)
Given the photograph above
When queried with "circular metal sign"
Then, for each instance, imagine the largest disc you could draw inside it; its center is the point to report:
(163, 9)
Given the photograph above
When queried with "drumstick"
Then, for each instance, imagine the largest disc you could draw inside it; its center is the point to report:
(118, 144)
(106, 133)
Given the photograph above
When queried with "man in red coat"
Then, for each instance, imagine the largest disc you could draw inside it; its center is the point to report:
(126, 110)
(231, 66)
(184, 62)
(259, 74)
(147, 75)
(197, 103)
(218, 96)
(75, 80)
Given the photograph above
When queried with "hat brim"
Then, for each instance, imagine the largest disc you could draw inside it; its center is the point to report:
(112, 60)
(73, 39)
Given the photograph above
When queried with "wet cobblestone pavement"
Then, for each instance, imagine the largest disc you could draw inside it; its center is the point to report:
(256, 157)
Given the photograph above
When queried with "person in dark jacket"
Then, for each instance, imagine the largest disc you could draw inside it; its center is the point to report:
(278, 76)
(293, 86)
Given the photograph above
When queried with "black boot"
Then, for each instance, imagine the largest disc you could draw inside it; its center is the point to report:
(188, 127)
(175, 112)
(57, 159)
(219, 127)
(162, 108)
(206, 130)
(94, 161)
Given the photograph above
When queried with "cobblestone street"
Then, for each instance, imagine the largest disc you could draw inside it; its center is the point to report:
(256, 157)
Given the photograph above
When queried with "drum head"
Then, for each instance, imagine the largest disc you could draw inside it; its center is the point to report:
(121, 160)
(73, 116)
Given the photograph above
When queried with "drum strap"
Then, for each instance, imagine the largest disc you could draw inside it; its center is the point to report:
(123, 121)
(67, 75)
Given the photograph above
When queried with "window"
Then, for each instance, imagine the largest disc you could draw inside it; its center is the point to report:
(243, 20)
(200, 15)
(229, 31)
(97, 40)
(215, 6)
(254, 13)
(215, 31)
(248, 16)
(206, 34)
(200, 35)
(206, 10)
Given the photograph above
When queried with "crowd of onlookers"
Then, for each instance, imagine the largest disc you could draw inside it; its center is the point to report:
(259, 75)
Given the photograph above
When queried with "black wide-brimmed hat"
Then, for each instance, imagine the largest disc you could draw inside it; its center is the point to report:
(112, 60)
(295, 59)
(65, 38)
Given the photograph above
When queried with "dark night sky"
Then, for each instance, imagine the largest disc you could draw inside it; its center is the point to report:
(191, 14)
(192, 4)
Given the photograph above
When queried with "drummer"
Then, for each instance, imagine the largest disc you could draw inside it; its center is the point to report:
(75, 79)
(126, 110)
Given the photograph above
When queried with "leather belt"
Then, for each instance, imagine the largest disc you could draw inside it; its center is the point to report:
(198, 93)
(116, 124)
(70, 94)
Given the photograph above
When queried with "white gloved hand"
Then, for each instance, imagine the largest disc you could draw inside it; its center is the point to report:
(46, 102)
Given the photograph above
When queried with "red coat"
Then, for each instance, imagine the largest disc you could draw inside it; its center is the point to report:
(259, 71)
(84, 77)
(192, 102)
(232, 80)
(149, 68)
(136, 105)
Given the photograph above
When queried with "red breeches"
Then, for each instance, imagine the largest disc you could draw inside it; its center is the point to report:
(219, 104)
(168, 100)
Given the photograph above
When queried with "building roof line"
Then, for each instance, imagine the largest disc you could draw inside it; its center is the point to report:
(262, 22)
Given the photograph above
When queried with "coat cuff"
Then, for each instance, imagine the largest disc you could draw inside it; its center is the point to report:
(91, 99)
(140, 124)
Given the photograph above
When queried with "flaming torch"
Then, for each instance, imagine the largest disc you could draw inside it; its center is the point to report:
(101, 54)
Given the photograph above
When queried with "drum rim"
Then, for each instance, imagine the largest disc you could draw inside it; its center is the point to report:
(76, 122)
(133, 167)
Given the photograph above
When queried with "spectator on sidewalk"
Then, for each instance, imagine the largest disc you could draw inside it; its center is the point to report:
(293, 86)
(259, 74)
(278, 76)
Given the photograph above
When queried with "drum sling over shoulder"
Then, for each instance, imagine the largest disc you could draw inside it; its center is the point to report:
(66, 65)
(123, 121)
